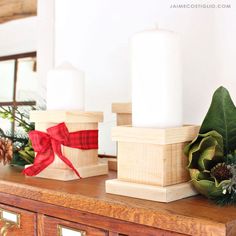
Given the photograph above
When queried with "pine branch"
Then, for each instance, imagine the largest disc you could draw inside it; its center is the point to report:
(2, 134)
(227, 199)
(21, 121)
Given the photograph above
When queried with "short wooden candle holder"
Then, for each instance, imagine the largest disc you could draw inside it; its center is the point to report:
(85, 161)
(151, 163)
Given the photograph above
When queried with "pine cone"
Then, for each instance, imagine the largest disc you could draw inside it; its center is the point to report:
(6, 150)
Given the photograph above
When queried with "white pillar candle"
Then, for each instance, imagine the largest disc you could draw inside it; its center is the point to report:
(156, 79)
(65, 88)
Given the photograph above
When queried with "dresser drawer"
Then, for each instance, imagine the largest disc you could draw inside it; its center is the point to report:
(56, 227)
(16, 222)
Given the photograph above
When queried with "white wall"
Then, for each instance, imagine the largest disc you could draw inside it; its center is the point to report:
(94, 34)
(45, 41)
(18, 36)
(226, 49)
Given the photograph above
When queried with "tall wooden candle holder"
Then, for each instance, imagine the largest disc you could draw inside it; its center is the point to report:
(85, 161)
(151, 164)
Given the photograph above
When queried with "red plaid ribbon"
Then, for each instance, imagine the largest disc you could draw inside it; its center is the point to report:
(48, 144)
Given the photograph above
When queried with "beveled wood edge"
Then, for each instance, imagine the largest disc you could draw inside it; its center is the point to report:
(122, 108)
(128, 133)
(144, 216)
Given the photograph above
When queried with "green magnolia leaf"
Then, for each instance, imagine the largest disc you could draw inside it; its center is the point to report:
(205, 185)
(231, 158)
(204, 151)
(208, 188)
(196, 174)
(206, 157)
(197, 140)
(221, 117)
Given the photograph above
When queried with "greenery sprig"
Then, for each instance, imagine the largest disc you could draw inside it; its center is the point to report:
(22, 149)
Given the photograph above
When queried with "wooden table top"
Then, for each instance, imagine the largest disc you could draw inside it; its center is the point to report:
(194, 216)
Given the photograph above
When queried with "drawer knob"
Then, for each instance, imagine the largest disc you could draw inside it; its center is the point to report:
(66, 231)
(10, 219)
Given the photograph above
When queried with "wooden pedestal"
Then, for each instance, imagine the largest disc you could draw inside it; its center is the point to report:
(150, 192)
(85, 161)
(123, 113)
(67, 174)
(151, 164)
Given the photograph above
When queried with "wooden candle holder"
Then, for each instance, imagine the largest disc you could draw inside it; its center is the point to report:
(151, 163)
(123, 113)
(85, 161)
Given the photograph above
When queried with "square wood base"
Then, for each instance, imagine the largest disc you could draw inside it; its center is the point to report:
(68, 174)
(150, 192)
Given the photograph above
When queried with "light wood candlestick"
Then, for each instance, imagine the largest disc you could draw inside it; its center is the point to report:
(151, 163)
(85, 161)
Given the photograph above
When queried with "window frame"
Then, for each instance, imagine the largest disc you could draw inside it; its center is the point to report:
(14, 103)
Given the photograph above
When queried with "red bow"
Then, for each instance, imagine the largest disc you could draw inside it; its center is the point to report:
(48, 144)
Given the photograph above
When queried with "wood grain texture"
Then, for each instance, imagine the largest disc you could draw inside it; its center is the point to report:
(154, 164)
(123, 119)
(16, 9)
(108, 224)
(79, 158)
(191, 216)
(68, 175)
(174, 164)
(154, 135)
(122, 108)
(123, 113)
(150, 192)
(27, 222)
(51, 227)
(112, 164)
(85, 161)
(40, 224)
(113, 234)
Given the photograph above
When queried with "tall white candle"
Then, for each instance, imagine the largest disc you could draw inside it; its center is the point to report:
(156, 79)
(65, 88)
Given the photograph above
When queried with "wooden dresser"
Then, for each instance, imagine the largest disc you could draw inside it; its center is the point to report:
(48, 208)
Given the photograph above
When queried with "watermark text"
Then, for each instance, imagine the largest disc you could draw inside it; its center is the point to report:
(210, 6)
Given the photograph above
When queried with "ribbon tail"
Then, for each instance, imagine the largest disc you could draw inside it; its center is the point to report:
(57, 150)
(41, 161)
(63, 158)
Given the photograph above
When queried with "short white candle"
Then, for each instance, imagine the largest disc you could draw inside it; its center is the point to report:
(156, 79)
(65, 88)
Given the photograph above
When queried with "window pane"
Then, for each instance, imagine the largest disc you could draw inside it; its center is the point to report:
(6, 80)
(5, 126)
(5, 120)
(22, 120)
(27, 84)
